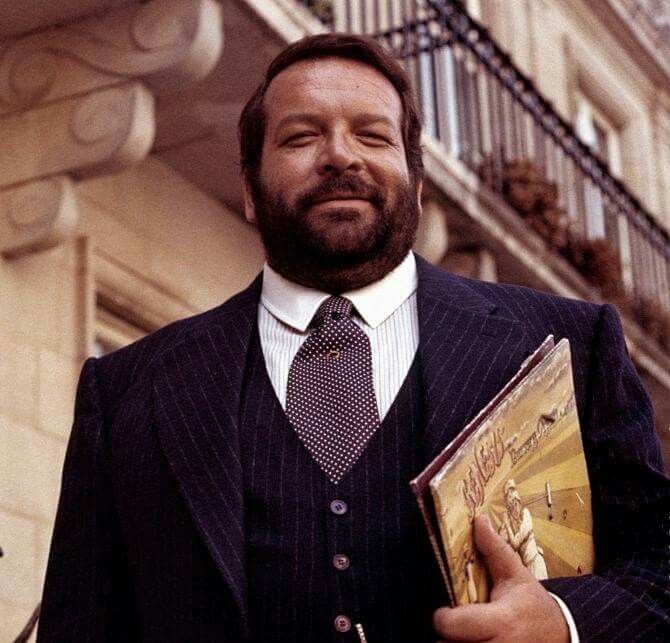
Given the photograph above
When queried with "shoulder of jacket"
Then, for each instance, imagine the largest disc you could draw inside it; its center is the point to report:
(121, 369)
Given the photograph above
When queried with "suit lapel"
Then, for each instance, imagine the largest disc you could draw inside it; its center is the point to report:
(467, 352)
(197, 395)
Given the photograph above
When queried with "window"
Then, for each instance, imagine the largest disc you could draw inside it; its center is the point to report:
(601, 221)
(597, 131)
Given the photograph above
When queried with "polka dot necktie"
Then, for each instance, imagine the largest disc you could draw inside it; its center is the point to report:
(330, 400)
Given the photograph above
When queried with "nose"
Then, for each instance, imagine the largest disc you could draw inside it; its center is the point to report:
(338, 156)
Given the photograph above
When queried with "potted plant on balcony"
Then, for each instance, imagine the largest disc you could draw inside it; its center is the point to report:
(536, 200)
(322, 9)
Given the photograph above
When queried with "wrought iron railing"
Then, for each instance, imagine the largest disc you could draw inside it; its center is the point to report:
(488, 114)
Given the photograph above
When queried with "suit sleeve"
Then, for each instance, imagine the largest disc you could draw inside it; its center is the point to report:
(628, 598)
(85, 585)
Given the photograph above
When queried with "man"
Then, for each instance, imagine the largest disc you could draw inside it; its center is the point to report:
(243, 475)
(517, 529)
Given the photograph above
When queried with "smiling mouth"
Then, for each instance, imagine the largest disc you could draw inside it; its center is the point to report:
(342, 200)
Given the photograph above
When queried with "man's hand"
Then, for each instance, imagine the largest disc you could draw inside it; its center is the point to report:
(520, 608)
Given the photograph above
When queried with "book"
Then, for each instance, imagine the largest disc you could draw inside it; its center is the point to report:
(521, 462)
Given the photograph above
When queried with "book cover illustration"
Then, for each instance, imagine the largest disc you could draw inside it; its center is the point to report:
(523, 465)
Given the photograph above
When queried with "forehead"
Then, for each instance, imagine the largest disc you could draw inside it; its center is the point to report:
(331, 87)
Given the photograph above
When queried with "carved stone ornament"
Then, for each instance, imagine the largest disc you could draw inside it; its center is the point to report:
(168, 43)
(37, 215)
(96, 133)
(74, 99)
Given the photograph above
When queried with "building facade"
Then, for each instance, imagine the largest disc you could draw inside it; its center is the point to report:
(547, 153)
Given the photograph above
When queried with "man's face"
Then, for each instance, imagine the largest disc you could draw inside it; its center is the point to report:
(513, 501)
(333, 199)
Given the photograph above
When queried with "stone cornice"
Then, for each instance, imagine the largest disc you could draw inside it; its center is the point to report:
(166, 43)
(78, 100)
(23, 17)
(92, 134)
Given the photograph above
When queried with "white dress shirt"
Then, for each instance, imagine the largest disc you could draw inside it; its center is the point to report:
(385, 310)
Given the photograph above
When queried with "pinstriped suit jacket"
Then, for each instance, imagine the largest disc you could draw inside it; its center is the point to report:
(149, 536)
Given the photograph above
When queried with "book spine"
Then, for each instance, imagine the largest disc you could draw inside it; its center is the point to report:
(435, 546)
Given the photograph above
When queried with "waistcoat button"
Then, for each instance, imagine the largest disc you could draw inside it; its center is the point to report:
(342, 623)
(338, 507)
(340, 561)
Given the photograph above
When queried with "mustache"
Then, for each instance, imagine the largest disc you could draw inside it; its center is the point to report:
(350, 184)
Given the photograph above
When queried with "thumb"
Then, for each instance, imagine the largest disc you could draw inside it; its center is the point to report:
(501, 560)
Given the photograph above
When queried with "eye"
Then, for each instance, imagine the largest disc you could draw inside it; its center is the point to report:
(300, 138)
(374, 137)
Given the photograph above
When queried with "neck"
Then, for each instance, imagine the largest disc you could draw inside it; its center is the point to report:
(336, 280)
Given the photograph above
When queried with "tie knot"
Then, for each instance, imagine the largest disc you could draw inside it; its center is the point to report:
(333, 308)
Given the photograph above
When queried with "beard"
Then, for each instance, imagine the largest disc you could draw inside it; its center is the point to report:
(336, 249)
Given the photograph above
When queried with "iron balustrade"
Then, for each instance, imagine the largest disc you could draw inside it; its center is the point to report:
(487, 113)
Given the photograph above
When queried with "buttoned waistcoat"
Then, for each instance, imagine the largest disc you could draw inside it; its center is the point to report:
(149, 538)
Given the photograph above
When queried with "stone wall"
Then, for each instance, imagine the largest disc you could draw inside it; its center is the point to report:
(164, 239)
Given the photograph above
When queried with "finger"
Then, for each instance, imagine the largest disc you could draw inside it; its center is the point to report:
(501, 560)
(467, 622)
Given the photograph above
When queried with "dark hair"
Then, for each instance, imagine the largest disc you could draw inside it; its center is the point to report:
(251, 127)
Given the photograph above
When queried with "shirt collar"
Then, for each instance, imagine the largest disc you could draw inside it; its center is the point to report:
(296, 305)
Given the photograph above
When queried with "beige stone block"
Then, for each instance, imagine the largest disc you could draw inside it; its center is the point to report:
(40, 302)
(57, 384)
(30, 470)
(432, 235)
(137, 195)
(40, 308)
(204, 286)
(18, 580)
(12, 620)
(43, 533)
(223, 244)
(477, 263)
(33, 267)
(18, 380)
(148, 196)
(111, 235)
(155, 210)
(152, 220)
(185, 279)
(70, 335)
(66, 254)
(11, 334)
(38, 272)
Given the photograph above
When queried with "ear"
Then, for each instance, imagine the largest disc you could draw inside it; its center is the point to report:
(249, 207)
(419, 192)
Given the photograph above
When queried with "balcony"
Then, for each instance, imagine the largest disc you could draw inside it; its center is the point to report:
(481, 110)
